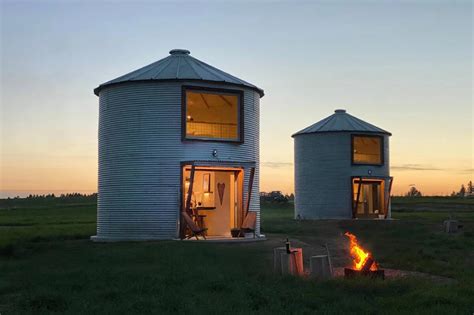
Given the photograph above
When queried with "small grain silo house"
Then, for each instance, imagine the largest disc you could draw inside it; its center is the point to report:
(342, 169)
(177, 136)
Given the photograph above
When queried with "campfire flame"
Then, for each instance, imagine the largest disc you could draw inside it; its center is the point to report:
(359, 254)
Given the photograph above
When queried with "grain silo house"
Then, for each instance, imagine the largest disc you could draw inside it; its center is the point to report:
(177, 136)
(342, 170)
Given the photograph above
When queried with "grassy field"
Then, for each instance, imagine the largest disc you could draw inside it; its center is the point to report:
(47, 264)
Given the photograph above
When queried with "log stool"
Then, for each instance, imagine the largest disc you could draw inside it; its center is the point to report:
(292, 263)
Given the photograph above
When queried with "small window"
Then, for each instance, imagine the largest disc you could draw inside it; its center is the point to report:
(367, 150)
(212, 115)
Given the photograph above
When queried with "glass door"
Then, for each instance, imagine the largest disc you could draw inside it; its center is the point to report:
(368, 199)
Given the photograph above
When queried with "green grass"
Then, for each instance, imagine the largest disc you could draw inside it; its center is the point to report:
(48, 265)
(433, 200)
(431, 204)
(54, 223)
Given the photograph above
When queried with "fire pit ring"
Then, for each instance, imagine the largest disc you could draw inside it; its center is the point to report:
(363, 264)
(352, 273)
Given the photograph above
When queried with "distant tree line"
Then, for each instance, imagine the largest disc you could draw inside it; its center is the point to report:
(413, 192)
(71, 196)
(276, 197)
(47, 200)
(464, 191)
(467, 191)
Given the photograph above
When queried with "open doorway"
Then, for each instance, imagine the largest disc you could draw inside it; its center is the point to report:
(368, 198)
(216, 199)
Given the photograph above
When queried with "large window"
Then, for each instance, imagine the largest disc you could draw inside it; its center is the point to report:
(212, 114)
(367, 150)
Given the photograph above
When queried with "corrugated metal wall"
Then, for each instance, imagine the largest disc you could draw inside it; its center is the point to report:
(140, 151)
(323, 172)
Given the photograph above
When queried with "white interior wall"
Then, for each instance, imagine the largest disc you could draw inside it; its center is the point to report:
(220, 220)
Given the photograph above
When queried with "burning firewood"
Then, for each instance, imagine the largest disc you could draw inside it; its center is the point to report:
(367, 265)
(363, 262)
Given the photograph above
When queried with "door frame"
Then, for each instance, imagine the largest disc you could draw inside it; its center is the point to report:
(238, 168)
(382, 180)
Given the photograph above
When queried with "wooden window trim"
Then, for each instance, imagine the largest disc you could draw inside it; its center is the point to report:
(240, 111)
(382, 153)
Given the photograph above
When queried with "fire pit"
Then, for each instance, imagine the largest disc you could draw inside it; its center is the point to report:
(363, 264)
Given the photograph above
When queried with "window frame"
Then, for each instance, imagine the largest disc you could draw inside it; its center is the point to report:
(382, 153)
(240, 113)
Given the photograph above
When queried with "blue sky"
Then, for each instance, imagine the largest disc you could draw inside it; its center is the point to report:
(405, 66)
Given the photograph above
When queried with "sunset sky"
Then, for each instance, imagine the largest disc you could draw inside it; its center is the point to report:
(403, 66)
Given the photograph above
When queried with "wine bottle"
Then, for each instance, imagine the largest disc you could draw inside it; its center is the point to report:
(287, 244)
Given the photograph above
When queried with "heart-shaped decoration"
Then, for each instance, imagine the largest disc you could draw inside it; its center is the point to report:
(220, 190)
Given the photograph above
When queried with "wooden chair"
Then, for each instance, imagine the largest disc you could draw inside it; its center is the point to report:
(250, 223)
(195, 230)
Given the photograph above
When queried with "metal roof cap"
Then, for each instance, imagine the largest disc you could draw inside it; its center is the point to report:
(180, 66)
(341, 121)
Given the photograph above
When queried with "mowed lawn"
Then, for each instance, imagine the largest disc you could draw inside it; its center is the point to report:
(47, 264)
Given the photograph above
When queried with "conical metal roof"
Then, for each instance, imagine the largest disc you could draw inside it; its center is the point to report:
(179, 65)
(341, 121)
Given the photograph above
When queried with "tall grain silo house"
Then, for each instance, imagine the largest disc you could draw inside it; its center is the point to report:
(177, 137)
(342, 170)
